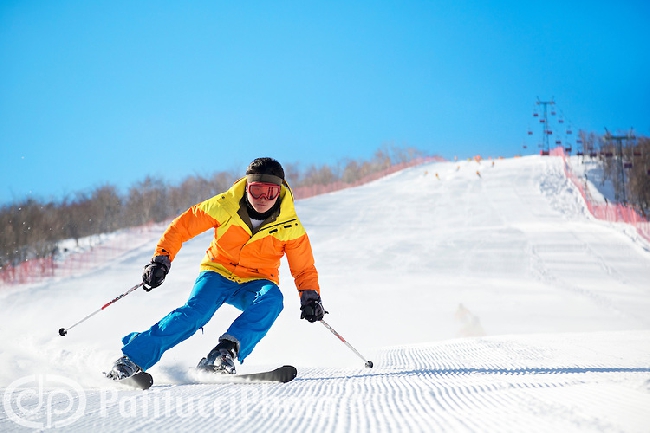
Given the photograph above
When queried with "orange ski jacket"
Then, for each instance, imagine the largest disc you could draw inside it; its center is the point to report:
(238, 252)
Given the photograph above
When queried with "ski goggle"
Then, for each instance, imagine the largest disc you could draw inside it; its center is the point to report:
(269, 191)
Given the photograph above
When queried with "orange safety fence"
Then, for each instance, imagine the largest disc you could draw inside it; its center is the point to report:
(36, 270)
(74, 262)
(303, 192)
(617, 213)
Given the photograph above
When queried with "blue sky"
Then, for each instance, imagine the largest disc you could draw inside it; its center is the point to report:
(111, 91)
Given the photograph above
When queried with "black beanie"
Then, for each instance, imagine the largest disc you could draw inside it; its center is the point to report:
(265, 170)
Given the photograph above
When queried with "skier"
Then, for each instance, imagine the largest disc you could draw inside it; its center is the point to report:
(255, 225)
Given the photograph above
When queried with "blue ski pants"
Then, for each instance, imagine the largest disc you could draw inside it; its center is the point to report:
(260, 302)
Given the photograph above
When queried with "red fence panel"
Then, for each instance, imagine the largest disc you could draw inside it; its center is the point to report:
(608, 212)
(95, 254)
(303, 192)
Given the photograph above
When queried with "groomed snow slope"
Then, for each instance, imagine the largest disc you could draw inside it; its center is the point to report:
(488, 301)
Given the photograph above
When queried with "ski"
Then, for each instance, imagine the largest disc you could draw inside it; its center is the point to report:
(282, 374)
(141, 380)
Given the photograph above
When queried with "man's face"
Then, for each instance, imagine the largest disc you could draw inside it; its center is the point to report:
(261, 205)
(258, 194)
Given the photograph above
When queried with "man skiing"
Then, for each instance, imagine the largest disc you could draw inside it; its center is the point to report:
(255, 225)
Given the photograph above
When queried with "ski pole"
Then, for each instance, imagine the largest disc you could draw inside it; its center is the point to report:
(368, 364)
(64, 331)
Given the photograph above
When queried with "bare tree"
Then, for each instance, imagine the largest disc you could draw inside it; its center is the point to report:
(639, 175)
(292, 173)
(147, 202)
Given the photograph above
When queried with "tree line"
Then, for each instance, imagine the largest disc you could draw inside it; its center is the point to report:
(626, 166)
(32, 228)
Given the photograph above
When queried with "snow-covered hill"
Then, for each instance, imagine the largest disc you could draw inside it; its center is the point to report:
(487, 297)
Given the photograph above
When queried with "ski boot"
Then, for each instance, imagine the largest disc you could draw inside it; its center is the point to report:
(221, 359)
(123, 368)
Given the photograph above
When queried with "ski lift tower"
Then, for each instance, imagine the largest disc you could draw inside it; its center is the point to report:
(543, 120)
(619, 190)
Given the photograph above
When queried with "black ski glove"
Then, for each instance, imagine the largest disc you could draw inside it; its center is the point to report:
(155, 272)
(311, 306)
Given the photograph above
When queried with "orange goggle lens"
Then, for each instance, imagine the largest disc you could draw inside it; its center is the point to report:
(269, 191)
